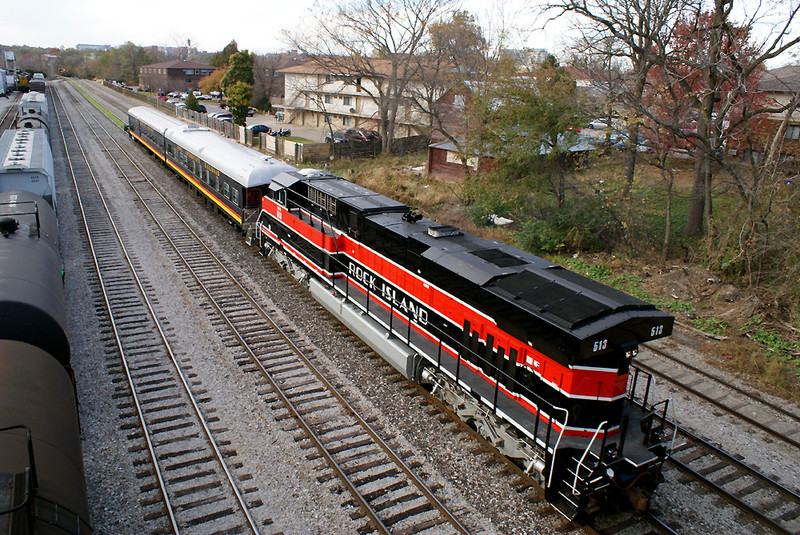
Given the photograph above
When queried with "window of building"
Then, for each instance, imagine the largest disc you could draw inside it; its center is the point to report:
(328, 99)
(347, 101)
(328, 78)
(459, 101)
(452, 157)
(793, 131)
(188, 72)
(347, 121)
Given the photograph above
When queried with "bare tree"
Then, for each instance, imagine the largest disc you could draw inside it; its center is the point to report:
(719, 78)
(372, 44)
(269, 83)
(641, 27)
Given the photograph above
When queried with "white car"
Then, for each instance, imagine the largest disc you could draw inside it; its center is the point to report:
(599, 124)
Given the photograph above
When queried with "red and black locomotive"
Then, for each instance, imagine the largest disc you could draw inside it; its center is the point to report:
(536, 357)
(533, 356)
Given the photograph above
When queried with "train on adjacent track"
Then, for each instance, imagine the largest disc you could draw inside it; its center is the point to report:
(37, 83)
(42, 485)
(32, 111)
(533, 356)
(26, 163)
(42, 482)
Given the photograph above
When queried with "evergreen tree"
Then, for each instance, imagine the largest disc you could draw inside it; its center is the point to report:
(191, 102)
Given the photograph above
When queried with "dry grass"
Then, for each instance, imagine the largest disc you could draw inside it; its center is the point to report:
(443, 203)
(753, 362)
(394, 177)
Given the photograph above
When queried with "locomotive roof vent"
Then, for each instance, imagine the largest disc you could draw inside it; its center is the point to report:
(315, 173)
(443, 231)
(411, 216)
(8, 225)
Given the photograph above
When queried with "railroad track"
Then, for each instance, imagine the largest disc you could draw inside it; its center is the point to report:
(195, 489)
(758, 496)
(7, 121)
(779, 423)
(386, 490)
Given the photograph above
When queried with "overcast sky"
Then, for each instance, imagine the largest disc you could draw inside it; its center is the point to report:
(210, 25)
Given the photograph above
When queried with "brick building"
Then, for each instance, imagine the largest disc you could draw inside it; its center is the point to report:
(173, 76)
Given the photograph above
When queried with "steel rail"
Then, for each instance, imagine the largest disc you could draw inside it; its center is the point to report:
(447, 515)
(777, 408)
(660, 524)
(168, 346)
(750, 420)
(117, 336)
(7, 114)
(729, 497)
(174, 359)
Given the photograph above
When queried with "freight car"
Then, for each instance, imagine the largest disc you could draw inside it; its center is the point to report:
(26, 163)
(42, 485)
(22, 83)
(535, 357)
(231, 177)
(37, 83)
(32, 111)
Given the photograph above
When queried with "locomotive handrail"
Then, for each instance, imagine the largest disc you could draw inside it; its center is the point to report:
(31, 481)
(558, 441)
(664, 419)
(586, 451)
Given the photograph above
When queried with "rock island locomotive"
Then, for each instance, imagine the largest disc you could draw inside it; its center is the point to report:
(535, 357)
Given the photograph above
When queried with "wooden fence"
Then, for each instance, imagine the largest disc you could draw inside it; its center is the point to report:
(278, 146)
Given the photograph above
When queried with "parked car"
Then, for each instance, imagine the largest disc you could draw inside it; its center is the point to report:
(215, 94)
(173, 101)
(598, 124)
(259, 128)
(201, 108)
(204, 97)
(221, 115)
(370, 134)
(337, 137)
(355, 134)
(225, 119)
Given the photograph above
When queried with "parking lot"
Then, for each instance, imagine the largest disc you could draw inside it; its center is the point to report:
(314, 134)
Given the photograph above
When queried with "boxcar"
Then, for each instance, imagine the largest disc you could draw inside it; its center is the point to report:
(26, 163)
